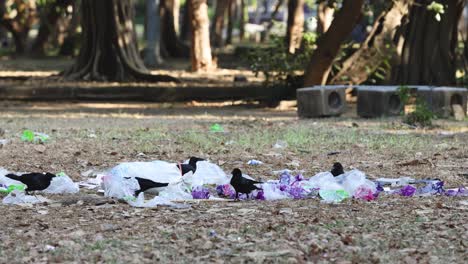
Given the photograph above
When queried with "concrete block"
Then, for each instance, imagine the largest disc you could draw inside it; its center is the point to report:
(321, 101)
(442, 100)
(378, 101)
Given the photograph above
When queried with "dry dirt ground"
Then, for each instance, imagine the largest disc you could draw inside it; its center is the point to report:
(89, 228)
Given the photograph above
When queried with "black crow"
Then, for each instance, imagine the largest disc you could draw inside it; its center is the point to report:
(191, 166)
(33, 181)
(337, 169)
(146, 184)
(241, 184)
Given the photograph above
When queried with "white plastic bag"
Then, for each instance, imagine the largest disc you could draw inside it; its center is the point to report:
(19, 197)
(177, 192)
(206, 173)
(62, 184)
(323, 181)
(119, 187)
(157, 171)
(271, 192)
(355, 179)
(156, 201)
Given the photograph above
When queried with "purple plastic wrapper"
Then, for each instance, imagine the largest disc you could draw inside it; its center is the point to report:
(408, 190)
(200, 193)
(297, 192)
(260, 196)
(458, 192)
(226, 190)
(285, 178)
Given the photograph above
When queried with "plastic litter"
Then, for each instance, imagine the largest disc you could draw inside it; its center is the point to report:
(156, 201)
(3, 142)
(335, 196)
(17, 197)
(200, 193)
(62, 184)
(34, 137)
(254, 162)
(207, 173)
(280, 144)
(14, 187)
(217, 128)
(408, 190)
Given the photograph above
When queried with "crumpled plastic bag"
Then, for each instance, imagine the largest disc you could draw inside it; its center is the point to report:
(177, 192)
(272, 191)
(323, 181)
(207, 173)
(62, 184)
(156, 201)
(355, 180)
(17, 197)
(120, 181)
(118, 186)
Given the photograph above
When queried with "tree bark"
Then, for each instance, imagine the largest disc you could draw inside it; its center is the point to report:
(295, 25)
(72, 37)
(171, 42)
(325, 12)
(152, 50)
(329, 43)
(201, 50)
(242, 20)
(429, 45)
(231, 18)
(378, 46)
(218, 23)
(109, 49)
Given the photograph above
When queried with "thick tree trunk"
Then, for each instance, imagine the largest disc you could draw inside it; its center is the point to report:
(295, 25)
(329, 43)
(201, 50)
(429, 45)
(325, 12)
(171, 42)
(152, 50)
(218, 22)
(378, 47)
(109, 49)
(48, 23)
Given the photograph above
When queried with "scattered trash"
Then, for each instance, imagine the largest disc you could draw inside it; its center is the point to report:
(62, 184)
(34, 137)
(3, 142)
(200, 193)
(280, 144)
(216, 128)
(19, 197)
(254, 162)
(333, 196)
(14, 187)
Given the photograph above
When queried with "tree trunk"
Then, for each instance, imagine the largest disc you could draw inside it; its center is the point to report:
(185, 30)
(329, 43)
(20, 24)
(153, 34)
(378, 46)
(48, 24)
(325, 12)
(201, 50)
(171, 42)
(72, 37)
(109, 49)
(218, 23)
(295, 25)
(242, 20)
(231, 18)
(429, 45)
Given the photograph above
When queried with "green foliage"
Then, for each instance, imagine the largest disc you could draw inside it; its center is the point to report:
(276, 63)
(422, 114)
(437, 8)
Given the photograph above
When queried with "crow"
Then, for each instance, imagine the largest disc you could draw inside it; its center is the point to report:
(337, 169)
(191, 166)
(242, 184)
(33, 181)
(146, 184)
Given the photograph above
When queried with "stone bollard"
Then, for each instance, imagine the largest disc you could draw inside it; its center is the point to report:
(321, 101)
(445, 101)
(378, 101)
